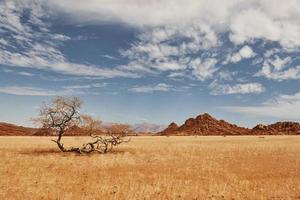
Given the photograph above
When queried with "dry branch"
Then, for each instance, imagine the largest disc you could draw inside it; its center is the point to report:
(63, 114)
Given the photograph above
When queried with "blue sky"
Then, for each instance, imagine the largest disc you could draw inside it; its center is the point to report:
(157, 62)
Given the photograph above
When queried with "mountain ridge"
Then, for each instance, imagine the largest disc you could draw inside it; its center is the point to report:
(205, 124)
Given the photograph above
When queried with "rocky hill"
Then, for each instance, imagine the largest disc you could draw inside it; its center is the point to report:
(204, 125)
(10, 130)
(279, 128)
(207, 125)
(74, 131)
(148, 128)
(13, 130)
(171, 129)
(201, 125)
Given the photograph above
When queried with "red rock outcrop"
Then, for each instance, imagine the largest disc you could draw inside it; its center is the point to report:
(205, 125)
(11, 130)
(172, 128)
(201, 125)
(279, 128)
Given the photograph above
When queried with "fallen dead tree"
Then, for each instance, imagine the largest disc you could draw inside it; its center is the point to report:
(62, 114)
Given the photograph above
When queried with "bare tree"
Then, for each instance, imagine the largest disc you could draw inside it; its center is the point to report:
(120, 129)
(63, 114)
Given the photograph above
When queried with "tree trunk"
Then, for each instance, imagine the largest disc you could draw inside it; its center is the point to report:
(60, 145)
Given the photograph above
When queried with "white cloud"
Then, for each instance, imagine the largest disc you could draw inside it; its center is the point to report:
(225, 76)
(252, 24)
(64, 90)
(268, 72)
(279, 63)
(25, 74)
(245, 52)
(167, 40)
(109, 57)
(86, 86)
(177, 75)
(31, 44)
(271, 52)
(277, 69)
(154, 13)
(262, 22)
(283, 107)
(273, 20)
(203, 70)
(161, 87)
(3, 42)
(170, 38)
(169, 48)
(33, 91)
(45, 60)
(22, 73)
(245, 88)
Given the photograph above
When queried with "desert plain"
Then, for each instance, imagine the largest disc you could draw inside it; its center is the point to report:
(153, 167)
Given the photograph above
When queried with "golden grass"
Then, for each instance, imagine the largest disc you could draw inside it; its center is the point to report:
(246, 167)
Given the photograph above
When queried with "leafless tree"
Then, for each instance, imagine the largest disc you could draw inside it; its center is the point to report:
(63, 114)
(120, 129)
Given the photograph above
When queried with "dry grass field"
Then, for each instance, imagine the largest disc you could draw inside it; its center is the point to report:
(247, 167)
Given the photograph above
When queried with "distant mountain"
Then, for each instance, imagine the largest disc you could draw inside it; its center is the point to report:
(148, 128)
(204, 125)
(279, 128)
(107, 125)
(207, 125)
(13, 130)
(170, 130)
(201, 125)
(7, 129)
(139, 128)
(10, 130)
(73, 131)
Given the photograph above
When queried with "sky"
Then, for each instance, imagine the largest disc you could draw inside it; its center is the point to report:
(157, 61)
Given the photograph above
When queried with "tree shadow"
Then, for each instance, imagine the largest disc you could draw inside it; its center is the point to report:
(52, 151)
(41, 152)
